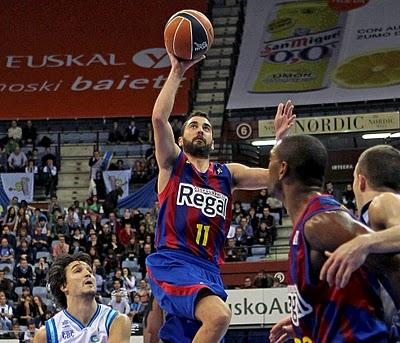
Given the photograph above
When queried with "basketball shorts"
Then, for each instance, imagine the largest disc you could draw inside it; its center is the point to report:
(176, 278)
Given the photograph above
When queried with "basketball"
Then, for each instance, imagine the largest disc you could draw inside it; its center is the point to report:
(188, 34)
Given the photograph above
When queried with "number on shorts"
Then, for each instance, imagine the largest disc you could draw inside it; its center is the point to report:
(200, 229)
(293, 308)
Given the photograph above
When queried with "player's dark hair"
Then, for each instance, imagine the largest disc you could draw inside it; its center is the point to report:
(191, 115)
(381, 165)
(306, 158)
(58, 277)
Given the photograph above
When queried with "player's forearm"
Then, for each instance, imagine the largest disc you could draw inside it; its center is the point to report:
(165, 100)
(386, 241)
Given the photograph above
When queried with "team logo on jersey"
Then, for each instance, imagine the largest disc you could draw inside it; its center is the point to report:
(298, 306)
(94, 338)
(210, 202)
(67, 334)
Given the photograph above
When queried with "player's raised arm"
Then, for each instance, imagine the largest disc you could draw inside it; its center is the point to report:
(284, 119)
(165, 147)
(257, 178)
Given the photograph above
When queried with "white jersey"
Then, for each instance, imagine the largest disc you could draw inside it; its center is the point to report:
(65, 328)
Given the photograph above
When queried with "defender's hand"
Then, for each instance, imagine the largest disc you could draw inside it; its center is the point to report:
(284, 119)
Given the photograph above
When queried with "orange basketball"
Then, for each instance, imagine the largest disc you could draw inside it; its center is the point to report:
(188, 34)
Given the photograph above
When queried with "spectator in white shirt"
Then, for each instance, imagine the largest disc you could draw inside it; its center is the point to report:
(14, 132)
(120, 304)
(6, 313)
(17, 161)
(129, 280)
(50, 177)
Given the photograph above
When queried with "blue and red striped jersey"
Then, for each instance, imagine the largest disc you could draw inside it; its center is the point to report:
(195, 210)
(326, 314)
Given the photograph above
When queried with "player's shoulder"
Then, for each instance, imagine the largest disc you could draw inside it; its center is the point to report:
(328, 216)
(332, 219)
(122, 319)
(383, 199)
(40, 336)
(121, 327)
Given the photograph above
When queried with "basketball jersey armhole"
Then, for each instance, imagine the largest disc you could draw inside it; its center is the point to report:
(162, 195)
(51, 331)
(111, 315)
(228, 171)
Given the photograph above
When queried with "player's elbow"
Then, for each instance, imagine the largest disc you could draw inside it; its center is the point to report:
(158, 120)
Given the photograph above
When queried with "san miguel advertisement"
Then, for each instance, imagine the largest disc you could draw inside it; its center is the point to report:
(318, 51)
(94, 58)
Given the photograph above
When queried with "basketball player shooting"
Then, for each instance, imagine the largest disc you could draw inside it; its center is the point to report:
(73, 286)
(195, 214)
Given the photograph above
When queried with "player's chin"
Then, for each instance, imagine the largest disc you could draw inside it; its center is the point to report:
(91, 292)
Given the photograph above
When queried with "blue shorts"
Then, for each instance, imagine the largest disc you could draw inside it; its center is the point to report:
(176, 278)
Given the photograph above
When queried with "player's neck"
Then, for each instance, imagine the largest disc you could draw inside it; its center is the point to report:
(201, 164)
(82, 309)
(368, 196)
(295, 199)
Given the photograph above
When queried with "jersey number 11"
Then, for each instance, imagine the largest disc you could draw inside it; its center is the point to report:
(200, 229)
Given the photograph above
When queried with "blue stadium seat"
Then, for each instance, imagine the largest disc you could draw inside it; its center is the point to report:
(18, 291)
(40, 291)
(138, 277)
(4, 266)
(258, 250)
(254, 258)
(131, 265)
(44, 254)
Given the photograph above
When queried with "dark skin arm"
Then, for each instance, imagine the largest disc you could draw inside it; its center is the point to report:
(329, 230)
(383, 215)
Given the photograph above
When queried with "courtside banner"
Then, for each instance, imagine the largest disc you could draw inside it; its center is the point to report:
(317, 51)
(92, 58)
(258, 305)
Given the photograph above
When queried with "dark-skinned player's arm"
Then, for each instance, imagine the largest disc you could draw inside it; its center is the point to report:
(256, 178)
(281, 331)
(328, 230)
(384, 216)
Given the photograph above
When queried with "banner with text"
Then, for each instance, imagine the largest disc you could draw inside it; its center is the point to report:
(335, 124)
(117, 178)
(72, 58)
(317, 52)
(258, 305)
(18, 185)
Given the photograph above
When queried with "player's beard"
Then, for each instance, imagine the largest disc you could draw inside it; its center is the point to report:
(196, 149)
(275, 189)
